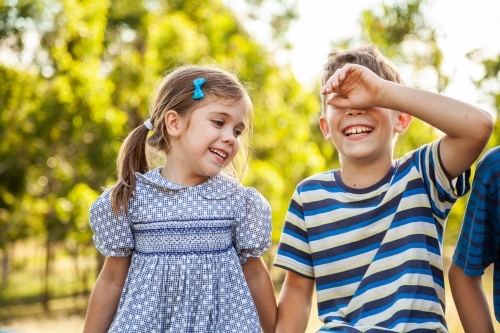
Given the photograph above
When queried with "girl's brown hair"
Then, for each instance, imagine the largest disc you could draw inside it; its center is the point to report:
(368, 56)
(175, 92)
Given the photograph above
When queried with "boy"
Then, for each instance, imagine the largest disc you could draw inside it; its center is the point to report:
(477, 247)
(369, 235)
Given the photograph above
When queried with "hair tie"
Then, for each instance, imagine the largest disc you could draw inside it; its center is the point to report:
(198, 93)
(148, 124)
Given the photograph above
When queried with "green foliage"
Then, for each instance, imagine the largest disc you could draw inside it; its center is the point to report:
(89, 83)
(402, 33)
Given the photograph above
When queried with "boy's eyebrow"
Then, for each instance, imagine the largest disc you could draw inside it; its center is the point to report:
(225, 114)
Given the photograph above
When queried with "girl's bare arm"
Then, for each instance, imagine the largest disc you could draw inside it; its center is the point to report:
(261, 288)
(106, 295)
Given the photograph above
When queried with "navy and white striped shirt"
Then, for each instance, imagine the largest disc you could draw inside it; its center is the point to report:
(479, 243)
(375, 253)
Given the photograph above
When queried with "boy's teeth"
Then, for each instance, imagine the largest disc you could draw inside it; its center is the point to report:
(358, 129)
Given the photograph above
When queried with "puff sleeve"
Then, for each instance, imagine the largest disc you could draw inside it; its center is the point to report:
(252, 234)
(112, 233)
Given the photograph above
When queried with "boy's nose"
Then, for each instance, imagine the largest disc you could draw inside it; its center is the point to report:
(355, 112)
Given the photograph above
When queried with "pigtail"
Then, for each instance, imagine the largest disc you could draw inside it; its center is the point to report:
(131, 159)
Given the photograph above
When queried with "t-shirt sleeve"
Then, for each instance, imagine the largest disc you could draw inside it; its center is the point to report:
(252, 234)
(441, 189)
(112, 233)
(478, 244)
(294, 252)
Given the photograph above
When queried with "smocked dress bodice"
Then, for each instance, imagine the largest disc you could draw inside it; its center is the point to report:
(187, 246)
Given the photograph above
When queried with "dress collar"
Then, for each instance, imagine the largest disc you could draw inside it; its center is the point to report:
(217, 187)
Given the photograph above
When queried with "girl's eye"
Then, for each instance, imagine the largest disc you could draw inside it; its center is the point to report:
(219, 123)
(237, 133)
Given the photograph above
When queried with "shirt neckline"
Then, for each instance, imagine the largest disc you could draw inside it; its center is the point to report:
(216, 187)
(385, 180)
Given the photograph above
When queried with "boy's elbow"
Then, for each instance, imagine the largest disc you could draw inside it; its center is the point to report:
(484, 128)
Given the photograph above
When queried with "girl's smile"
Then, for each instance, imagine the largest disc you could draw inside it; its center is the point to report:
(204, 142)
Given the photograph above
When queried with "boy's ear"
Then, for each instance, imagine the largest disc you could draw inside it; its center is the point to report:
(403, 121)
(325, 129)
(173, 123)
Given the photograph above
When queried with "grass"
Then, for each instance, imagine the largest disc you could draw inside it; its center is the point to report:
(21, 308)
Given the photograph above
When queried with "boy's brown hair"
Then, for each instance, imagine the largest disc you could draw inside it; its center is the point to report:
(368, 56)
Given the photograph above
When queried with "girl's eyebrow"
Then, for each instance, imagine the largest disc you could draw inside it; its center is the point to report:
(227, 115)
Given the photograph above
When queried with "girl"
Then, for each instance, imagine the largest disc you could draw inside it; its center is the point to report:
(183, 242)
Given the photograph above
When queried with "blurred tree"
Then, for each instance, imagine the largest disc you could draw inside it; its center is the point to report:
(489, 86)
(77, 79)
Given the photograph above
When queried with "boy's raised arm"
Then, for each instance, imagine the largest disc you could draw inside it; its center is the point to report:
(467, 127)
(294, 305)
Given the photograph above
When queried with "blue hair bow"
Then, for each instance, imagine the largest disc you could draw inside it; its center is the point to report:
(198, 93)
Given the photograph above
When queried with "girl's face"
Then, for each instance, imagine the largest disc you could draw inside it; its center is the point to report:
(208, 141)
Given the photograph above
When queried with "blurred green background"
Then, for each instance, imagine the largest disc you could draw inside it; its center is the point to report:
(79, 77)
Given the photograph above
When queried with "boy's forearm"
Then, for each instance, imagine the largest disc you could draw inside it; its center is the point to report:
(467, 128)
(470, 300)
(451, 116)
(262, 290)
(294, 305)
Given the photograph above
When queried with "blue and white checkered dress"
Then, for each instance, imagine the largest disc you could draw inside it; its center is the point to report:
(187, 246)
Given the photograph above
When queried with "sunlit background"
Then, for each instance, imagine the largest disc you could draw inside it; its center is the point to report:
(76, 76)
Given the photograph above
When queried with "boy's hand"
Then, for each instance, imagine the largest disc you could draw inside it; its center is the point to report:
(354, 86)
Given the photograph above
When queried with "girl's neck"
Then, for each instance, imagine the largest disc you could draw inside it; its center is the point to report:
(362, 176)
(178, 176)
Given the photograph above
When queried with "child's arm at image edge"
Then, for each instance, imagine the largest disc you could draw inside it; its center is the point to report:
(470, 300)
(261, 287)
(106, 295)
(294, 305)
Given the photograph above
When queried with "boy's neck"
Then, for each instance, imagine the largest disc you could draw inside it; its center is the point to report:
(364, 175)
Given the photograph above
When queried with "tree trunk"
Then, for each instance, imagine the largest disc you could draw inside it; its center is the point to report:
(48, 264)
(5, 263)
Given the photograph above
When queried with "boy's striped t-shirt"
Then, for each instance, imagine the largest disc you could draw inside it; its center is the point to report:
(479, 243)
(375, 253)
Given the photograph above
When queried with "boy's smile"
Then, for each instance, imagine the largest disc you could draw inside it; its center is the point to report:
(361, 135)
(357, 131)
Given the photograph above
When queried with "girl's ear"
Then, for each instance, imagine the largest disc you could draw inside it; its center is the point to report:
(173, 121)
(403, 121)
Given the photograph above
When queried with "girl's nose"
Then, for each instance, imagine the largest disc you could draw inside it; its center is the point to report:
(228, 136)
(355, 112)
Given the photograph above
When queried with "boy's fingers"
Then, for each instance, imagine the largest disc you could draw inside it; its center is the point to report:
(339, 101)
(333, 82)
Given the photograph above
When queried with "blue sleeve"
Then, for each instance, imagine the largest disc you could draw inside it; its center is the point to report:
(252, 236)
(294, 252)
(442, 191)
(112, 233)
(479, 241)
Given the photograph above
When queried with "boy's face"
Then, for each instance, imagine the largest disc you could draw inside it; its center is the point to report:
(363, 135)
